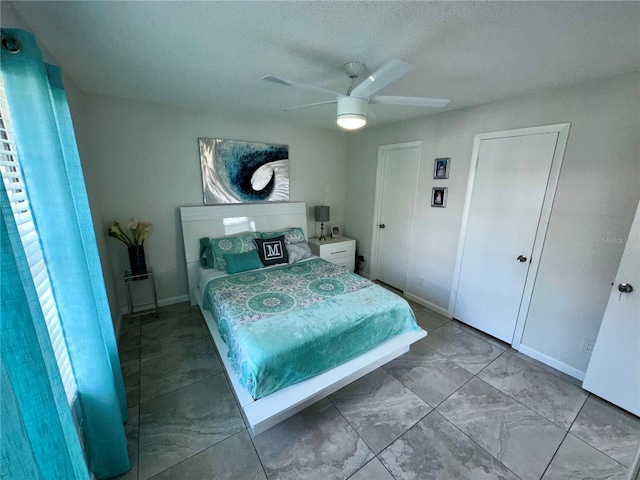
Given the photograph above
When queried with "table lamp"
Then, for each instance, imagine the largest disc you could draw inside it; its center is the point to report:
(322, 215)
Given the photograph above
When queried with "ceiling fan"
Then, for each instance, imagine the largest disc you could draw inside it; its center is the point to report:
(352, 107)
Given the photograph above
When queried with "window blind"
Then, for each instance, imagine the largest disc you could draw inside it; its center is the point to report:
(17, 193)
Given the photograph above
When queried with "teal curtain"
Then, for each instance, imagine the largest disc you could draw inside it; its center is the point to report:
(39, 439)
(46, 147)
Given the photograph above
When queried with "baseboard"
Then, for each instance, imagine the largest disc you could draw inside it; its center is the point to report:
(173, 300)
(429, 305)
(552, 362)
(161, 303)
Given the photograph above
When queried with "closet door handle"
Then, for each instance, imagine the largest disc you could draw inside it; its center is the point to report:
(521, 258)
(381, 225)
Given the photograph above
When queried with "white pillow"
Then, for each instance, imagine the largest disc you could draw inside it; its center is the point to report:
(298, 251)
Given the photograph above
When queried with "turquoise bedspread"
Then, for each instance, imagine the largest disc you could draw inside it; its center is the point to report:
(287, 324)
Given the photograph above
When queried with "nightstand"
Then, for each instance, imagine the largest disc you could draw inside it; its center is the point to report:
(141, 293)
(341, 250)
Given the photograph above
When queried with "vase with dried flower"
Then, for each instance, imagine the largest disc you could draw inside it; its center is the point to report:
(135, 244)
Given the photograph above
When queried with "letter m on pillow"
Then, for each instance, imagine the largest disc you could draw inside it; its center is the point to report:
(273, 251)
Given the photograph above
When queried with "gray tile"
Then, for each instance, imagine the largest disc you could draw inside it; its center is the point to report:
(129, 345)
(435, 449)
(609, 429)
(231, 459)
(433, 313)
(131, 376)
(179, 424)
(171, 311)
(543, 366)
(461, 347)
(316, 443)
(373, 470)
(429, 321)
(176, 367)
(576, 459)
(129, 323)
(430, 375)
(131, 429)
(520, 438)
(477, 333)
(543, 392)
(379, 408)
(167, 333)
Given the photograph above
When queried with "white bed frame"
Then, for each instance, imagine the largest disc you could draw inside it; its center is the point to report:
(220, 220)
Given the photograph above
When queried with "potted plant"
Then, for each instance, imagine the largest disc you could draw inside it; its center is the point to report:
(135, 243)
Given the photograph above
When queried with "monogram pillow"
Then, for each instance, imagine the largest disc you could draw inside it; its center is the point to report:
(228, 245)
(272, 251)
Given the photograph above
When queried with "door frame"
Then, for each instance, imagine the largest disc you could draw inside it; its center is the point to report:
(377, 209)
(562, 129)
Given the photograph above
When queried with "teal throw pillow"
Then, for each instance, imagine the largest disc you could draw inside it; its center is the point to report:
(241, 262)
(234, 244)
(207, 259)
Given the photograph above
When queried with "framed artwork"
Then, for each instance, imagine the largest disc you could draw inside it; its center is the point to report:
(441, 168)
(335, 232)
(243, 172)
(439, 197)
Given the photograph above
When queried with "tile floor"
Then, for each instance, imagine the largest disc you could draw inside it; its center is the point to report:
(459, 405)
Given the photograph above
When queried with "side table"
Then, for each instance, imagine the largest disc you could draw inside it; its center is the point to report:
(141, 293)
(341, 250)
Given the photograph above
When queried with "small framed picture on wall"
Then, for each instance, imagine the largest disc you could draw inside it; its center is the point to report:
(441, 168)
(439, 197)
(335, 232)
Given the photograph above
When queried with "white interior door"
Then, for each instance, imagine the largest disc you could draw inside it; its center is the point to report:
(398, 171)
(614, 369)
(507, 197)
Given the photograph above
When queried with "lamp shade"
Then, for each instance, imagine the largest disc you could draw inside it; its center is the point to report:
(322, 213)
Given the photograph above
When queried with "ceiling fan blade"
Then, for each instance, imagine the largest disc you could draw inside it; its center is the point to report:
(411, 101)
(310, 105)
(386, 74)
(302, 86)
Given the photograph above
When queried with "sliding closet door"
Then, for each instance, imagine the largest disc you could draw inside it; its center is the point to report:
(503, 218)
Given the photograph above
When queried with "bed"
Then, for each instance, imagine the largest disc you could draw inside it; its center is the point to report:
(335, 339)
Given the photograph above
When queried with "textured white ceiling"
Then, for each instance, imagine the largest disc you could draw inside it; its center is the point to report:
(213, 54)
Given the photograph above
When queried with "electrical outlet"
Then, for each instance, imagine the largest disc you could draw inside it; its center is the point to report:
(588, 344)
(421, 281)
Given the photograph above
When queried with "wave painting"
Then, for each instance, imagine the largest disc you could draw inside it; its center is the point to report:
(243, 172)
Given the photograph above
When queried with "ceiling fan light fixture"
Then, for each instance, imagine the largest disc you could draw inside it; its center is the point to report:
(352, 122)
(352, 113)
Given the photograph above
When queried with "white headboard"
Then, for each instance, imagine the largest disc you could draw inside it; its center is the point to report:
(220, 220)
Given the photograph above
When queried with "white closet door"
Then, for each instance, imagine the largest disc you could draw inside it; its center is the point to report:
(506, 203)
(400, 166)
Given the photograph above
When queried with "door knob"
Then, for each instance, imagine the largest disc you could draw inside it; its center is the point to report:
(521, 258)
(381, 225)
(625, 288)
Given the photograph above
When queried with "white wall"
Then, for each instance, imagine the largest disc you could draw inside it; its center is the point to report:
(598, 191)
(145, 157)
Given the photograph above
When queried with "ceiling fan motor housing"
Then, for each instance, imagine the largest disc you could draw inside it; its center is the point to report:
(352, 112)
